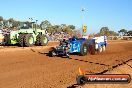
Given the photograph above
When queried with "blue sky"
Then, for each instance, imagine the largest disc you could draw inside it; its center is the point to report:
(115, 14)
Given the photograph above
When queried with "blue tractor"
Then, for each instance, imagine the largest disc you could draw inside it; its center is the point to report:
(81, 46)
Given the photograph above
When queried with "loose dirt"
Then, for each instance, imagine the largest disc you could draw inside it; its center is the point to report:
(32, 68)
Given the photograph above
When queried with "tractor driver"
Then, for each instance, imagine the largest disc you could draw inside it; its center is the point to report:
(67, 47)
(64, 42)
(74, 38)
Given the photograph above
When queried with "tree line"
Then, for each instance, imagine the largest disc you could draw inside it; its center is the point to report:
(106, 31)
(57, 28)
(46, 25)
(70, 29)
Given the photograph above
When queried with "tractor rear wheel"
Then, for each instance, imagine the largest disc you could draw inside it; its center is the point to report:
(52, 53)
(21, 39)
(41, 40)
(7, 39)
(92, 49)
(84, 49)
(28, 40)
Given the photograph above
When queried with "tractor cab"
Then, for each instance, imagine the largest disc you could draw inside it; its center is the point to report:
(26, 25)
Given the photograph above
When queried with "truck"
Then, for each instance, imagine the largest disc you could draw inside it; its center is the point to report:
(81, 46)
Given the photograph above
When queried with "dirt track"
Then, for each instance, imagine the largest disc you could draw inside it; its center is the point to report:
(31, 68)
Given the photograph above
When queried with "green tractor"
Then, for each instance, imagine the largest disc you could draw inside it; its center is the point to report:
(28, 34)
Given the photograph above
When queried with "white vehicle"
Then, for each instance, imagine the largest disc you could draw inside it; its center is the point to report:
(100, 43)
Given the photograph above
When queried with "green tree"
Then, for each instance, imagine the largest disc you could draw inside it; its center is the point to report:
(1, 18)
(63, 27)
(16, 23)
(45, 25)
(5, 22)
(72, 27)
(57, 28)
(122, 31)
(11, 21)
(67, 28)
(104, 31)
(112, 33)
(107, 32)
(129, 33)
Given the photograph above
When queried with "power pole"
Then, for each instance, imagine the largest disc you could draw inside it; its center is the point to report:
(84, 26)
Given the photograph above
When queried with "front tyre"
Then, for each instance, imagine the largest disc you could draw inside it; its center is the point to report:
(28, 40)
(52, 53)
(43, 40)
(21, 39)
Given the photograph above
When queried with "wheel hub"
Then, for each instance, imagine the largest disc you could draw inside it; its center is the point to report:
(85, 49)
(31, 40)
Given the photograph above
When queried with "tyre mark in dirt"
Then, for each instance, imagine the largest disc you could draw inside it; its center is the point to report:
(115, 66)
(47, 54)
(129, 65)
(32, 50)
(125, 62)
(90, 62)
